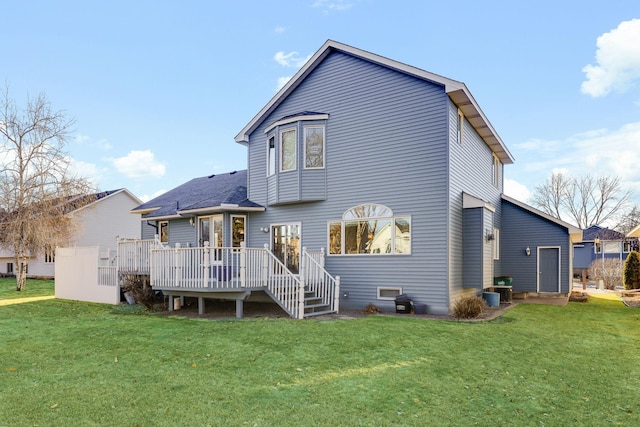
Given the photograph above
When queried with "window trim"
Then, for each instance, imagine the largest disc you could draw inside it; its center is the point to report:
(295, 149)
(496, 171)
(271, 155)
(161, 224)
(244, 235)
(496, 244)
(304, 145)
(380, 289)
(347, 217)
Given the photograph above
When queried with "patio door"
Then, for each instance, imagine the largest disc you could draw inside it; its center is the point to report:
(549, 269)
(210, 230)
(285, 245)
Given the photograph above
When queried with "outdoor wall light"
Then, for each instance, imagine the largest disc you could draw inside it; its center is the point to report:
(528, 251)
(264, 229)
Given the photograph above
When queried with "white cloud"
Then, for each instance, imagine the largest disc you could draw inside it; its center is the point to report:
(291, 59)
(145, 197)
(332, 5)
(516, 190)
(139, 164)
(598, 152)
(282, 81)
(618, 61)
(279, 29)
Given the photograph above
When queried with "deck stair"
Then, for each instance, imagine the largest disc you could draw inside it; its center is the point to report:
(313, 305)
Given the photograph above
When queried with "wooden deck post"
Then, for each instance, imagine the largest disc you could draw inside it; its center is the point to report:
(336, 296)
(178, 266)
(265, 265)
(200, 305)
(243, 264)
(302, 278)
(239, 308)
(206, 264)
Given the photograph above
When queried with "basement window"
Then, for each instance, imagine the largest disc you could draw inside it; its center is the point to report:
(388, 293)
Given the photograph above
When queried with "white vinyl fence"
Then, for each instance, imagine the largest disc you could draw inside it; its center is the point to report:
(86, 274)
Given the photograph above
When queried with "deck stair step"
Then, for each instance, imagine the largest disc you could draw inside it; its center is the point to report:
(319, 313)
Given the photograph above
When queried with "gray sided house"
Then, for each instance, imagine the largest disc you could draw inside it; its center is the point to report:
(600, 243)
(394, 171)
(378, 162)
(536, 249)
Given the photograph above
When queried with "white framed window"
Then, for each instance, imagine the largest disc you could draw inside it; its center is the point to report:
(288, 152)
(238, 223)
(370, 229)
(496, 244)
(314, 147)
(388, 293)
(271, 155)
(49, 254)
(496, 171)
(163, 231)
(460, 127)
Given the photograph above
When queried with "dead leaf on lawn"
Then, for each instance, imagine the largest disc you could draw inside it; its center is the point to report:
(193, 365)
(12, 369)
(54, 406)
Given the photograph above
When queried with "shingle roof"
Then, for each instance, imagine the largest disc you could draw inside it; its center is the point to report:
(227, 190)
(602, 233)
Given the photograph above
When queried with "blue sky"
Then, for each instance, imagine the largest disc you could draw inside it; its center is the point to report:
(159, 89)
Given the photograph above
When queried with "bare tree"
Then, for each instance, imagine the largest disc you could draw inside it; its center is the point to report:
(585, 200)
(629, 220)
(36, 184)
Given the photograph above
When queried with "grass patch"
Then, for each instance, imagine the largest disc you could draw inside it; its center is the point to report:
(71, 363)
(33, 288)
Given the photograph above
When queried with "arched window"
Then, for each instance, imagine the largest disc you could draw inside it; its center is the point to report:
(370, 229)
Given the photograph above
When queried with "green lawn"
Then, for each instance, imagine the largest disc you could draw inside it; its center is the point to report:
(78, 364)
(33, 288)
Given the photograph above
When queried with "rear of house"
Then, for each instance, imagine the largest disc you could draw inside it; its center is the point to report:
(370, 158)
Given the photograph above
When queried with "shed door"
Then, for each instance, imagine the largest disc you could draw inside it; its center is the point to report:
(549, 270)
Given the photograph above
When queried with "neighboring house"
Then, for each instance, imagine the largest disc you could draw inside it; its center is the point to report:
(98, 220)
(394, 170)
(599, 243)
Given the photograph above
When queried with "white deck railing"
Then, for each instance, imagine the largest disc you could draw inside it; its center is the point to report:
(317, 279)
(134, 256)
(107, 276)
(218, 269)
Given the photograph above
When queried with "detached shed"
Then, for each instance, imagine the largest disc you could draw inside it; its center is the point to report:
(536, 249)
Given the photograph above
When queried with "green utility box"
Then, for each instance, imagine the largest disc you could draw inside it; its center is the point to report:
(502, 281)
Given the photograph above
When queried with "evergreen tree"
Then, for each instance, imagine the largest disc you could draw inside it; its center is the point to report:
(631, 271)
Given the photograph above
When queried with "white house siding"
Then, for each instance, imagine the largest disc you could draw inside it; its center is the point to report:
(386, 143)
(470, 171)
(97, 224)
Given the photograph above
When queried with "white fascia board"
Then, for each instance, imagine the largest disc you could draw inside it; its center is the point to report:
(469, 201)
(293, 119)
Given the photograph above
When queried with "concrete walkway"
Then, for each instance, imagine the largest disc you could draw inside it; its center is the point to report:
(12, 301)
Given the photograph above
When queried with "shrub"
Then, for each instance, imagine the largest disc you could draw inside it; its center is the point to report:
(609, 270)
(371, 309)
(139, 290)
(631, 271)
(468, 307)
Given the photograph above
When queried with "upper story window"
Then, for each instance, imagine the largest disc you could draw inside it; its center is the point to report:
(303, 133)
(460, 127)
(271, 155)
(313, 147)
(496, 171)
(370, 229)
(288, 150)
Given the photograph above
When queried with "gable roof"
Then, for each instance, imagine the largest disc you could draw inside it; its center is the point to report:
(207, 194)
(595, 231)
(575, 233)
(77, 203)
(456, 90)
